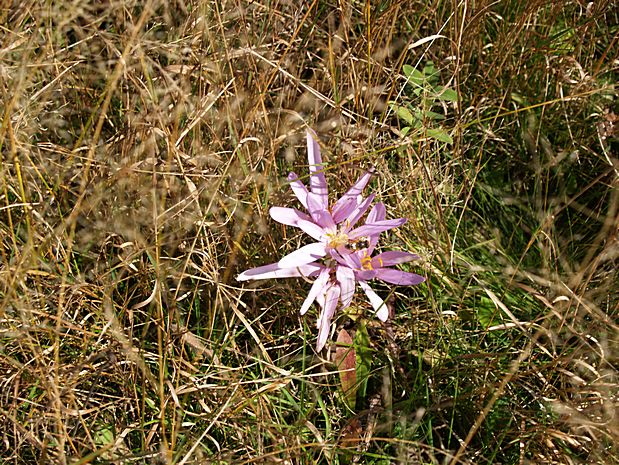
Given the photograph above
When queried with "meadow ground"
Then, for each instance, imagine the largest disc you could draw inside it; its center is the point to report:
(142, 144)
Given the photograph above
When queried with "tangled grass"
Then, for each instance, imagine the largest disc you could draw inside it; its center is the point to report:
(142, 144)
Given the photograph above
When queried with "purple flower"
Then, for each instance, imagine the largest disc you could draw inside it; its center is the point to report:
(365, 267)
(358, 266)
(332, 228)
(347, 248)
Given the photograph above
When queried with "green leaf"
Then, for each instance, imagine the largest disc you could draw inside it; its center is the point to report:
(433, 116)
(429, 68)
(430, 72)
(446, 94)
(408, 70)
(415, 78)
(517, 98)
(363, 356)
(487, 313)
(404, 114)
(439, 135)
(103, 436)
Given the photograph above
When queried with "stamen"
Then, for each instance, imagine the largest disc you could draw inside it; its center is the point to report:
(366, 263)
(337, 239)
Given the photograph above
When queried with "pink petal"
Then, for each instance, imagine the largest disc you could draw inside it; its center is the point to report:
(346, 278)
(318, 182)
(293, 217)
(331, 299)
(365, 275)
(352, 193)
(319, 213)
(320, 300)
(377, 213)
(275, 271)
(343, 257)
(358, 212)
(317, 288)
(289, 216)
(382, 312)
(355, 260)
(371, 229)
(345, 210)
(306, 254)
(400, 278)
(392, 257)
(312, 229)
(298, 188)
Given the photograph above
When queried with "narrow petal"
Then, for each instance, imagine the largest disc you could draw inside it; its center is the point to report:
(392, 257)
(318, 182)
(321, 298)
(346, 278)
(358, 212)
(382, 312)
(319, 213)
(346, 258)
(365, 275)
(293, 217)
(377, 213)
(332, 297)
(353, 192)
(356, 259)
(306, 254)
(275, 271)
(298, 188)
(317, 288)
(312, 229)
(345, 210)
(289, 216)
(371, 229)
(341, 256)
(400, 278)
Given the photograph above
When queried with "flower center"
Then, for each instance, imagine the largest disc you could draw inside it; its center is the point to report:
(337, 239)
(366, 263)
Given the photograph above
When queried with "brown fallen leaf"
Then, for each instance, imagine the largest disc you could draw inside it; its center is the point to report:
(346, 363)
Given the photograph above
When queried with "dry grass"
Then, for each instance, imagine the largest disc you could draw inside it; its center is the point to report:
(142, 144)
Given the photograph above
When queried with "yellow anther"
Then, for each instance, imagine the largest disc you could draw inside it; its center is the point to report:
(337, 239)
(366, 263)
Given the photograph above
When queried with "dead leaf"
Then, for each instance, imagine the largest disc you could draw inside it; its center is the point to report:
(346, 363)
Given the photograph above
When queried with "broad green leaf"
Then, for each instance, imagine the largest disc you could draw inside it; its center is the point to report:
(404, 114)
(417, 119)
(429, 68)
(103, 436)
(408, 70)
(415, 78)
(439, 135)
(346, 364)
(430, 72)
(433, 116)
(447, 94)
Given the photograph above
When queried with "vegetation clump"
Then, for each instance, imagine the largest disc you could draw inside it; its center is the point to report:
(142, 144)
